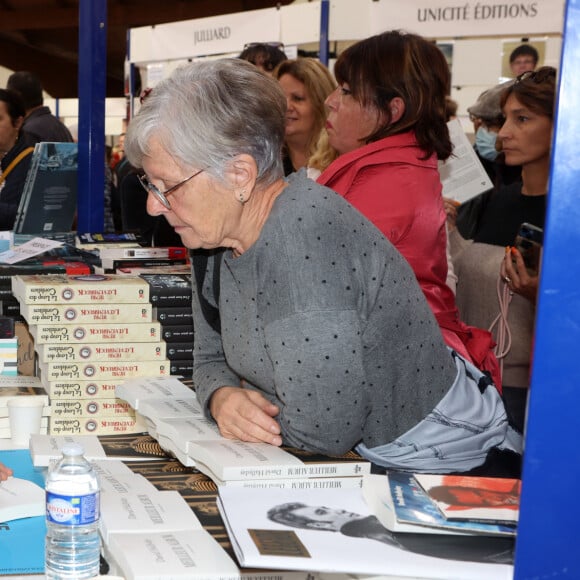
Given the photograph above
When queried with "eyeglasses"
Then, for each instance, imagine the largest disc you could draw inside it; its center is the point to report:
(279, 45)
(161, 196)
(538, 76)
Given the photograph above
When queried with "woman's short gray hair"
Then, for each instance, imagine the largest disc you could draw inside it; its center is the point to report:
(207, 113)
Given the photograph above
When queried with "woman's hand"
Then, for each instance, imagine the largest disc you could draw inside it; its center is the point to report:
(246, 415)
(450, 206)
(513, 272)
(5, 472)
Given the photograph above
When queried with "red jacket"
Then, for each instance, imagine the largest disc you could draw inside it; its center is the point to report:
(400, 192)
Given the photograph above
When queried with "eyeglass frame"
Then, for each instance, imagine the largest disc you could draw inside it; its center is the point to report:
(161, 196)
(532, 75)
(279, 45)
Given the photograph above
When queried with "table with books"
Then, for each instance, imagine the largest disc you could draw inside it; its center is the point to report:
(181, 501)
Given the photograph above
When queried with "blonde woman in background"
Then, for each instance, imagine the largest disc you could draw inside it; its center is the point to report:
(306, 82)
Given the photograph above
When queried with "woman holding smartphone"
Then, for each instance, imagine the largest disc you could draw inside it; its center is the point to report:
(492, 276)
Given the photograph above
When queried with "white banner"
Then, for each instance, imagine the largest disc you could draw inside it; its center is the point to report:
(204, 36)
(445, 19)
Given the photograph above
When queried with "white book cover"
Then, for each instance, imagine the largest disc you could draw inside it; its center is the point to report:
(20, 498)
(462, 175)
(170, 408)
(112, 467)
(150, 387)
(155, 511)
(170, 555)
(18, 381)
(47, 448)
(335, 531)
(133, 484)
(182, 430)
(226, 459)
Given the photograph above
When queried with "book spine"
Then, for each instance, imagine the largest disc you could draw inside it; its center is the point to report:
(176, 315)
(179, 350)
(106, 238)
(352, 482)
(95, 425)
(87, 333)
(145, 351)
(111, 266)
(103, 370)
(168, 252)
(182, 368)
(97, 407)
(86, 313)
(97, 389)
(95, 289)
(331, 470)
(180, 333)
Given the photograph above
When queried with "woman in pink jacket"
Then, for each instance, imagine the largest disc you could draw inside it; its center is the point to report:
(387, 122)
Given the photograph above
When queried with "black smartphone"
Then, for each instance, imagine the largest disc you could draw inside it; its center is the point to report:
(529, 242)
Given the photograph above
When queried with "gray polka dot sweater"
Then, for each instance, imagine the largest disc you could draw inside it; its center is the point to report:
(325, 318)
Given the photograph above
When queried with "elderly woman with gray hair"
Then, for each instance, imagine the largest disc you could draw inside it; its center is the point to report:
(310, 328)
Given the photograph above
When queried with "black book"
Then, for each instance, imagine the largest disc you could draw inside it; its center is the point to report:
(168, 289)
(49, 195)
(179, 333)
(11, 308)
(182, 368)
(173, 315)
(179, 350)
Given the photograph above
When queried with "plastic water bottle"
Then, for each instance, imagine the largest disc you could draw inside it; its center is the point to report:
(72, 549)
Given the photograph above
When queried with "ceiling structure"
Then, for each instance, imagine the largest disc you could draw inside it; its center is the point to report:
(42, 35)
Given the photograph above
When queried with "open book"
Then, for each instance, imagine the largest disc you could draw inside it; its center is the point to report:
(20, 498)
(335, 531)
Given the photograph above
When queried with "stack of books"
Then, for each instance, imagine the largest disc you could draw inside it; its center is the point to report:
(170, 295)
(175, 419)
(444, 504)
(91, 333)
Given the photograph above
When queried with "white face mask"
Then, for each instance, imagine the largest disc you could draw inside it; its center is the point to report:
(485, 143)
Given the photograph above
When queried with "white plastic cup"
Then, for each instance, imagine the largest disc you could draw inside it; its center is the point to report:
(25, 415)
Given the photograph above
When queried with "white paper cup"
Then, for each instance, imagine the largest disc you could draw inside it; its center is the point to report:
(25, 414)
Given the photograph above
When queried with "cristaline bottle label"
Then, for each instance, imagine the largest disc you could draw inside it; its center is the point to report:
(72, 511)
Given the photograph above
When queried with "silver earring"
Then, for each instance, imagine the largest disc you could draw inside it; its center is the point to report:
(242, 196)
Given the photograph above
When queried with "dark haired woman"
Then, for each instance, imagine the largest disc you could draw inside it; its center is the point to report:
(15, 150)
(387, 121)
(526, 137)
